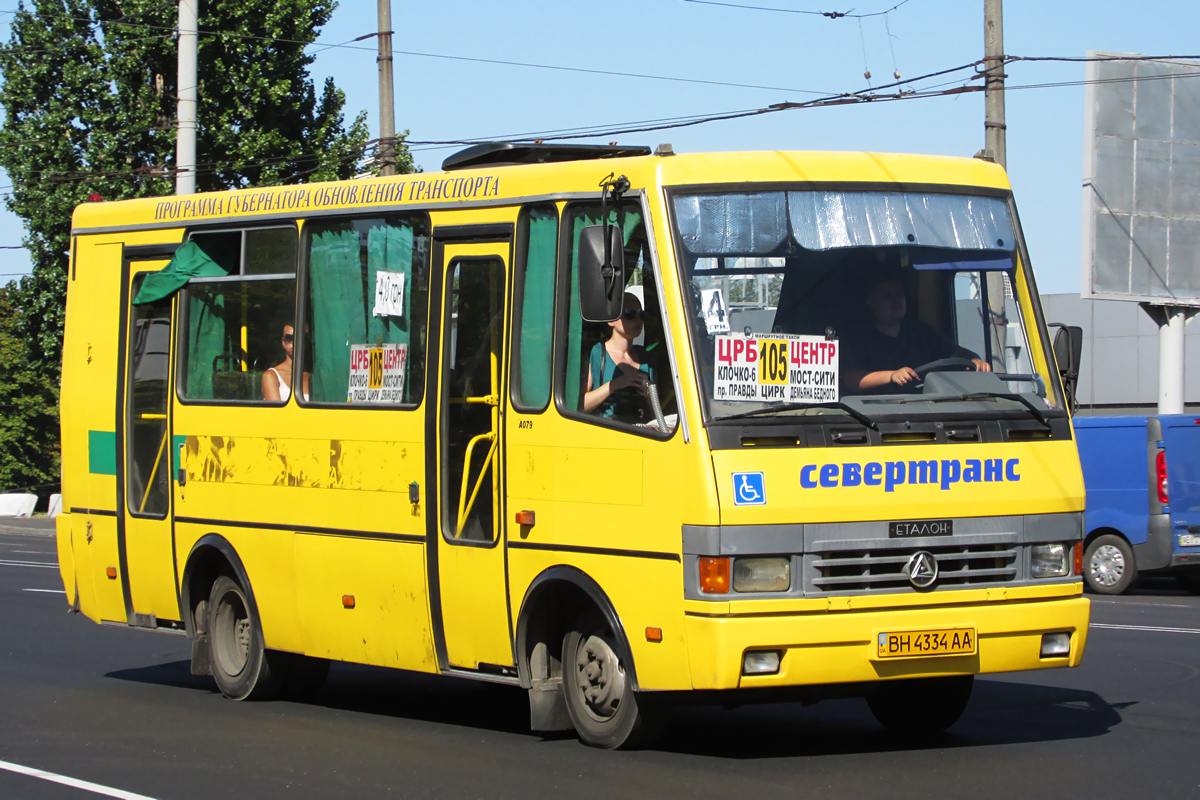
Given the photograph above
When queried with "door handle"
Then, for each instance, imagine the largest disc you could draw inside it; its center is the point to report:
(465, 504)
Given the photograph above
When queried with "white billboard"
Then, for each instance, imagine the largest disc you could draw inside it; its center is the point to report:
(1141, 184)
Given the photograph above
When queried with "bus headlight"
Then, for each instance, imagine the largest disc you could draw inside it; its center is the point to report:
(1049, 561)
(762, 574)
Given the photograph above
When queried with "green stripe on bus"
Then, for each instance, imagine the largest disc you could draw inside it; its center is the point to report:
(102, 452)
(177, 443)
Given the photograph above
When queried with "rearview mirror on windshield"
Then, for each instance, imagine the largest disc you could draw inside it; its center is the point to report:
(601, 273)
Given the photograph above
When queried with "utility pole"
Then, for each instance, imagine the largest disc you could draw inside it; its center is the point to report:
(993, 56)
(185, 84)
(386, 152)
(994, 141)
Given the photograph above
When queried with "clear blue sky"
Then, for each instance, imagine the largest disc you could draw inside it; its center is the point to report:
(792, 53)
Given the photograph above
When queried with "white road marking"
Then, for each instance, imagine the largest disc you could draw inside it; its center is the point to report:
(74, 783)
(35, 552)
(41, 564)
(48, 591)
(1150, 628)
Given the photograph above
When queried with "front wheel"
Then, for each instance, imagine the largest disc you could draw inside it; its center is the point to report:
(1108, 565)
(599, 694)
(239, 659)
(921, 705)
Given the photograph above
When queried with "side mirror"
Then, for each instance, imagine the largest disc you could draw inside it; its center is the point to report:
(1068, 353)
(601, 273)
(1068, 349)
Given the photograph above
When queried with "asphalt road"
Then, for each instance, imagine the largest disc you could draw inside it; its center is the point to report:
(118, 708)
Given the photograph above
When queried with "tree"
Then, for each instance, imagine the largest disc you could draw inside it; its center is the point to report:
(28, 412)
(89, 98)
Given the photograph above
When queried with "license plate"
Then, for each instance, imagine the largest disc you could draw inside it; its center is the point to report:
(1189, 540)
(919, 644)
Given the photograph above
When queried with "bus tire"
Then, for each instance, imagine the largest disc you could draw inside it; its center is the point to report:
(239, 660)
(599, 695)
(1108, 565)
(921, 705)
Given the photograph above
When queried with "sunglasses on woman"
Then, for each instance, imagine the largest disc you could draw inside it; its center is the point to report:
(630, 314)
(288, 338)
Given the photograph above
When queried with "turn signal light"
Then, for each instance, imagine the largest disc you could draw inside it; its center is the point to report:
(347, 601)
(714, 575)
(653, 634)
(111, 572)
(1078, 558)
(525, 517)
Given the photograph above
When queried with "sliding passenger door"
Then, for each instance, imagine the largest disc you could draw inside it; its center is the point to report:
(468, 560)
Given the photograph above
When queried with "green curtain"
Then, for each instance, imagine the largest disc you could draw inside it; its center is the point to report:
(206, 339)
(337, 301)
(537, 307)
(389, 248)
(572, 388)
(188, 262)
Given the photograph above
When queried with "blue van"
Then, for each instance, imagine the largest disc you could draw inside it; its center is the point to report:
(1142, 476)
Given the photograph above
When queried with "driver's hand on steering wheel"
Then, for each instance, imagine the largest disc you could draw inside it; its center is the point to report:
(904, 375)
(981, 365)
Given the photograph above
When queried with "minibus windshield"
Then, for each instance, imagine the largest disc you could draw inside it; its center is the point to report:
(871, 303)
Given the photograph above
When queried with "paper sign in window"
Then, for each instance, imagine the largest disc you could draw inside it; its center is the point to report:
(776, 368)
(716, 313)
(377, 373)
(389, 294)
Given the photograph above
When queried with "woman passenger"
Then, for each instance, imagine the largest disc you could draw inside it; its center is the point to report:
(277, 381)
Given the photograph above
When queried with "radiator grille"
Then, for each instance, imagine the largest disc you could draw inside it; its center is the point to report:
(882, 569)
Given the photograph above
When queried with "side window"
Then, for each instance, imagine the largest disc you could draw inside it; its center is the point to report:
(617, 372)
(147, 396)
(537, 246)
(238, 330)
(365, 321)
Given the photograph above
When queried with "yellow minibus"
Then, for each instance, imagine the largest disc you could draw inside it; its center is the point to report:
(623, 428)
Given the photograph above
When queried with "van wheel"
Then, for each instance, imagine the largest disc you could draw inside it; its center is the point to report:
(1108, 565)
(921, 705)
(599, 695)
(239, 660)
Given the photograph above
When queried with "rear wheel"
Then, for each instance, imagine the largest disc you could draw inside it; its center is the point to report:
(1108, 565)
(921, 705)
(239, 660)
(603, 707)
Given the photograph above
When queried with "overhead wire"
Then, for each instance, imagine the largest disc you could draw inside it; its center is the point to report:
(830, 14)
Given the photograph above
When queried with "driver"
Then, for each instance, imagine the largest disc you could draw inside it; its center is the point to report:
(883, 357)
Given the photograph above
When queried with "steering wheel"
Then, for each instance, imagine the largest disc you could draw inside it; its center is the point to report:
(945, 365)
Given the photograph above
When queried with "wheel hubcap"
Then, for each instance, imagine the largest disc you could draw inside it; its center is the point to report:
(599, 677)
(231, 635)
(1107, 566)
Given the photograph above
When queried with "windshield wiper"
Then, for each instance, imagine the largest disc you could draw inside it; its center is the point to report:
(1025, 401)
(854, 412)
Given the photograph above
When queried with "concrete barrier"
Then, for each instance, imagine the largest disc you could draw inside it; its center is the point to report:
(17, 505)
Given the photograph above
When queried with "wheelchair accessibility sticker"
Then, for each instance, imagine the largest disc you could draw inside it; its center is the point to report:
(749, 489)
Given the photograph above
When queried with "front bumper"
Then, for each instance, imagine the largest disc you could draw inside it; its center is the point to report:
(836, 643)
